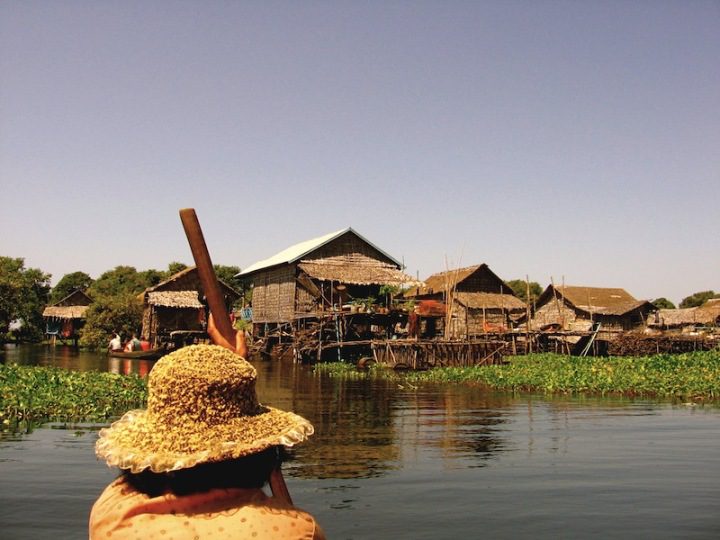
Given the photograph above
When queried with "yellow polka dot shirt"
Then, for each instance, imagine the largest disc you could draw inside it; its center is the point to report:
(121, 513)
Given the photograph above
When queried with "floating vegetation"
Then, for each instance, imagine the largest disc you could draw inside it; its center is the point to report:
(692, 376)
(33, 395)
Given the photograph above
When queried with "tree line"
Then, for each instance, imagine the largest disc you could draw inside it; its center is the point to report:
(116, 307)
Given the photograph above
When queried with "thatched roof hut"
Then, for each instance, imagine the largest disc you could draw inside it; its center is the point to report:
(73, 306)
(476, 278)
(319, 273)
(175, 305)
(480, 300)
(707, 315)
(576, 307)
(66, 317)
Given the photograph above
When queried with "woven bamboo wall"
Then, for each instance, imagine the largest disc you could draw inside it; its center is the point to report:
(187, 282)
(579, 320)
(483, 280)
(548, 314)
(479, 322)
(304, 301)
(620, 322)
(274, 295)
(349, 245)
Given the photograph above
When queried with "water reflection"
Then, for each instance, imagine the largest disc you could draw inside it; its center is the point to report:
(362, 425)
(64, 356)
(457, 422)
(128, 366)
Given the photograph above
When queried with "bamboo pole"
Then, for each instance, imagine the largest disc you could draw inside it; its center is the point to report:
(557, 303)
(528, 344)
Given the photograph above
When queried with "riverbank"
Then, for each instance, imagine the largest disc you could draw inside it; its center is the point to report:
(30, 395)
(691, 376)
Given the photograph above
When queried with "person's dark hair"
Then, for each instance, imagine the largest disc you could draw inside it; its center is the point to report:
(251, 471)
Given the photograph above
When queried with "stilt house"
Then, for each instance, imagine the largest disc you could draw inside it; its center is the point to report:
(575, 308)
(174, 310)
(477, 299)
(687, 319)
(319, 275)
(65, 318)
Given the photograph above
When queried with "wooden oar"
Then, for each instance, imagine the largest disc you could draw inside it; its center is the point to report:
(208, 279)
(215, 300)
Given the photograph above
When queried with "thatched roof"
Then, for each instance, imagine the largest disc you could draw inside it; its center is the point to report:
(442, 282)
(707, 314)
(183, 280)
(174, 299)
(301, 250)
(597, 300)
(482, 300)
(673, 317)
(363, 271)
(73, 306)
(65, 312)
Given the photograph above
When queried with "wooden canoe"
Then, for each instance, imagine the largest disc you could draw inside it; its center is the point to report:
(150, 354)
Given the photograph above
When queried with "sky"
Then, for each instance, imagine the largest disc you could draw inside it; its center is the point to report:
(574, 141)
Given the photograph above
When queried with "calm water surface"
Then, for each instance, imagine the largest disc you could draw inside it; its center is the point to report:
(395, 461)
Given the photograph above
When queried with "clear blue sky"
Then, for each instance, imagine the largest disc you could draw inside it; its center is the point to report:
(565, 139)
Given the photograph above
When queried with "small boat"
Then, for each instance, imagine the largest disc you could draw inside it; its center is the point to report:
(150, 354)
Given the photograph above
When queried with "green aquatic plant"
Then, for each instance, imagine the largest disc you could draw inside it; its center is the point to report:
(693, 376)
(33, 395)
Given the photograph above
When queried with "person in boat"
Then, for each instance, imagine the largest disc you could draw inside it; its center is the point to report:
(195, 462)
(133, 344)
(115, 343)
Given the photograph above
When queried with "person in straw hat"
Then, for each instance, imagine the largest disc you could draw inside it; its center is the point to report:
(195, 461)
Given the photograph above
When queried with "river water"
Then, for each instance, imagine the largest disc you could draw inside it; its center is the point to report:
(392, 460)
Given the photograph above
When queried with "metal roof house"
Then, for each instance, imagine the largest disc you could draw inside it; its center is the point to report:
(324, 273)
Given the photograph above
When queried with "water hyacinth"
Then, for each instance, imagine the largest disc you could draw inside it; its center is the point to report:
(692, 376)
(33, 395)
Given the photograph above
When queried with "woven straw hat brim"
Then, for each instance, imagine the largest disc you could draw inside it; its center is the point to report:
(137, 443)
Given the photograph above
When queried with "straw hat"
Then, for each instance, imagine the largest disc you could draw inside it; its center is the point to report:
(202, 407)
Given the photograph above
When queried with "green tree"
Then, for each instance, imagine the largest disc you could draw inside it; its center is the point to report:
(663, 303)
(68, 284)
(519, 287)
(108, 315)
(175, 267)
(698, 299)
(23, 295)
(227, 275)
(122, 281)
(151, 278)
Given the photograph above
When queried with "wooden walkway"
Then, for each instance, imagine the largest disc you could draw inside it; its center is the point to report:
(413, 354)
